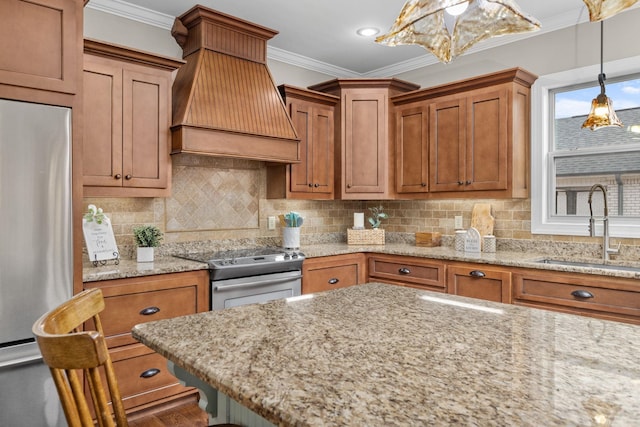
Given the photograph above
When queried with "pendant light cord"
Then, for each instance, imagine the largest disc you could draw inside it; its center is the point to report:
(601, 76)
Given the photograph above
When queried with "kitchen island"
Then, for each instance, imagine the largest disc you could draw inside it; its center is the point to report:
(379, 354)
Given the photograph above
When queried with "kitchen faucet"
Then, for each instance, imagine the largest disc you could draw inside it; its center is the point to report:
(606, 250)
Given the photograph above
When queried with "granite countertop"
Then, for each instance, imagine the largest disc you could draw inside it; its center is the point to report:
(380, 354)
(169, 264)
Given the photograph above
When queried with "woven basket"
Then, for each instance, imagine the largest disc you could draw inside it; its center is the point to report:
(374, 236)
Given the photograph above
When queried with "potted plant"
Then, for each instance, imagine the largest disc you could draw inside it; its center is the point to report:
(377, 215)
(146, 237)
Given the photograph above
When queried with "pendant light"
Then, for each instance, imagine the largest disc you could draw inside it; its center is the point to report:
(602, 113)
(603, 9)
(448, 28)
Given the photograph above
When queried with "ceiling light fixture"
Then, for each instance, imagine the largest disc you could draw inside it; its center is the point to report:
(367, 31)
(603, 9)
(423, 22)
(602, 113)
(457, 9)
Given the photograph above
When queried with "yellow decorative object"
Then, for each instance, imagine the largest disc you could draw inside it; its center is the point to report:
(448, 33)
(603, 9)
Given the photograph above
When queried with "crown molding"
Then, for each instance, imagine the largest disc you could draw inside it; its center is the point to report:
(147, 16)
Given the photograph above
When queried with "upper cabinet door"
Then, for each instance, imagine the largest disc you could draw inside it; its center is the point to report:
(447, 144)
(301, 173)
(365, 145)
(486, 152)
(323, 131)
(412, 148)
(42, 44)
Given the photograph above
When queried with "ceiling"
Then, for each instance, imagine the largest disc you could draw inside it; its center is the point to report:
(321, 35)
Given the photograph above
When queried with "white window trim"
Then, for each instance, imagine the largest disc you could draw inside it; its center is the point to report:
(541, 220)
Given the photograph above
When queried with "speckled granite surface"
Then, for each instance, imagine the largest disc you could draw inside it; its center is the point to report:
(383, 355)
(510, 258)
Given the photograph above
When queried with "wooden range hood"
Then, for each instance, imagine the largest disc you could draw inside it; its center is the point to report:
(225, 102)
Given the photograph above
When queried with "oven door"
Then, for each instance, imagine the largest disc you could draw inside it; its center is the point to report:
(255, 289)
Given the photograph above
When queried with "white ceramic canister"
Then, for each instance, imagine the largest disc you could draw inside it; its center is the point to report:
(489, 243)
(459, 240)
(291, 237)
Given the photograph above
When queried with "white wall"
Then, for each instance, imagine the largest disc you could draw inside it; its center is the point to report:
(548, 53)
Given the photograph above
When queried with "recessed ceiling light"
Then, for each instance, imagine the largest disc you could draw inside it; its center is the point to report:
(368, 31)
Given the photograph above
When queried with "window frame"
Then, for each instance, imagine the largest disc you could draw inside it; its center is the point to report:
(542, 186)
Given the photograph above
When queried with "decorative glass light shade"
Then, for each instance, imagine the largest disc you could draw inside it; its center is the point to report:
(425, 22)
(602, 113)
(603, 9)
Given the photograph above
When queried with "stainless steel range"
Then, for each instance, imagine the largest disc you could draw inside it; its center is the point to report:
(254, 275)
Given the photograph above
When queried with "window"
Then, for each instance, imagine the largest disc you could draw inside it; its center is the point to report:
(567, 160)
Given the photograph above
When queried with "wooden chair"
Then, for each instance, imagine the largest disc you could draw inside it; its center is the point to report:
(67, 350)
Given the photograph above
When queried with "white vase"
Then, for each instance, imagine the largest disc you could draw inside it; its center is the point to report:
(145, 254)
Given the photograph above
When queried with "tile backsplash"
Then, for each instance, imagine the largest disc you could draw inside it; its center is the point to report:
(222, 199)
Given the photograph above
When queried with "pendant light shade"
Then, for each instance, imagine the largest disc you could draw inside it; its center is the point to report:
(437, 26)
(603, 9)
(602, 113)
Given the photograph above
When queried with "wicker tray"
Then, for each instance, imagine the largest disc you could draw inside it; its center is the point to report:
(373, 236)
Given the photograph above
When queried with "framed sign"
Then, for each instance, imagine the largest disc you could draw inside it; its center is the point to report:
(98, 236)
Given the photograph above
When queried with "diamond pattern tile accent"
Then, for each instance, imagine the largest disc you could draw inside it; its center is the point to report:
(213, 199)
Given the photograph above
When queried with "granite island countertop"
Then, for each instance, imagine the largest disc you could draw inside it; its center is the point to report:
(380, 354)
(523, 259)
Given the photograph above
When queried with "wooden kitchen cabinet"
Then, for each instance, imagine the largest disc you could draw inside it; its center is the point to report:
(414, 272)
(127, 115)
(610, 298)
(412, 148)
(478, 138)
(479, 281)
(143, 378)
(312, 114)
(333, 272)
(41, 50)
(364, 165)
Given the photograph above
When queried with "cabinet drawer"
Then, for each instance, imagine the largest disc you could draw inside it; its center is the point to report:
(424, 274)
(332, 272)
(579, 294)
(331, 278)
(478, 281)
(122, 312)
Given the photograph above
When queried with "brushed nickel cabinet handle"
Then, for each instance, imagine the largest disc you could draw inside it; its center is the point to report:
(128, 177)
(460, 182)
(118, 176)
(477, 273)
(468, 182)
(404, 270)
(149, 311)
(333, 281)
(582, 294)
(150, 373)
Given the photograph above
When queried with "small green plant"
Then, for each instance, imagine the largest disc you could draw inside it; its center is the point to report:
(94, 214)
(377, 215)
(147, 236)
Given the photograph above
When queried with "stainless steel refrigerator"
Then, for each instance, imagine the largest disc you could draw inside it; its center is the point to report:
(36, 266)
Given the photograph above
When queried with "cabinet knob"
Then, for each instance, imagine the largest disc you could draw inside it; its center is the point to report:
(333, 281)
(460, 182)
(348, 185)
(424, 184)
(404, 270)
(310, 185)
(316, 185)
(150, 373)
(149, 311)
(117, 176)
(582, 294)
(467, 182)
(476, 273)
(128, 177)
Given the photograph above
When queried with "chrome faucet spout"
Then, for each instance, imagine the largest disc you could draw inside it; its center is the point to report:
(606, 250)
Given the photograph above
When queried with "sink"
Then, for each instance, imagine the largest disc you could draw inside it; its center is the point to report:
(588, 264)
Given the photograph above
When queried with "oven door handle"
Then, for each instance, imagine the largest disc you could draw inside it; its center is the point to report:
(268, 281)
